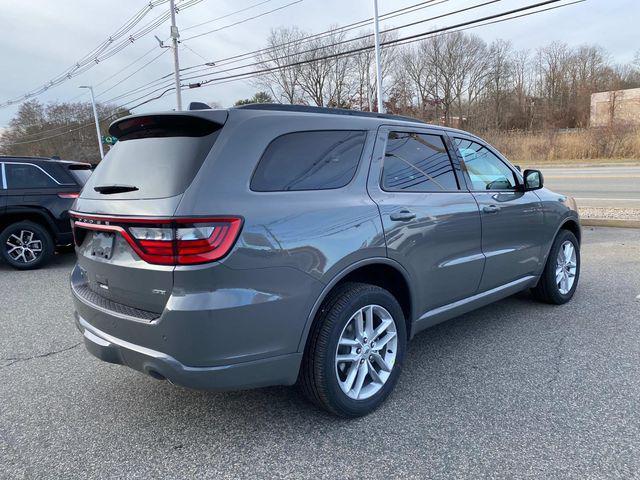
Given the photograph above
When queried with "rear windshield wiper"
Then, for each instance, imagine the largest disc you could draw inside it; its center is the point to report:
(109, 189)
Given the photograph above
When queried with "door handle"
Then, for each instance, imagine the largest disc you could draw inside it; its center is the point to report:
(491, 209)
(402, 216)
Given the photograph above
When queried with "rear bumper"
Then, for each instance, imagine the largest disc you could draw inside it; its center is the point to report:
(279, 370)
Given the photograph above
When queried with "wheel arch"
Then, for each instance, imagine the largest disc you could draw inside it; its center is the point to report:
(573, 225)
(570, 223)
(15, 215)
(380, 271)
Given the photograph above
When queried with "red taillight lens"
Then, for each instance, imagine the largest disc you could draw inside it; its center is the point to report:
(170, 241)
(68, 195)
(205, 242)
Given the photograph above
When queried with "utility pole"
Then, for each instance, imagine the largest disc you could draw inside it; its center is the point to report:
(95, 117)
(176, 64)
(376, 31)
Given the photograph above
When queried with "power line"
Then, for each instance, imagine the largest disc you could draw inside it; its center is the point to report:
(243, 21)
(491, 19)
(226, 15)
(161, 82)
(162, 52)
(484, 21)
(345, 28)
(106, 49)
(355, 39)
(82, 126)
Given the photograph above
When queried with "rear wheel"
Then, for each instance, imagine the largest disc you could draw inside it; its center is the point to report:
(560, 277)
(26, 245)
(356, 350)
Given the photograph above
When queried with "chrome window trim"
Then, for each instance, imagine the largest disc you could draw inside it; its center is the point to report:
(4, 176)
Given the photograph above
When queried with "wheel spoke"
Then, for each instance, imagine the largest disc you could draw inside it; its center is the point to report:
(359, 321)
(362, 374)
(381, 328)
(348, 342)
(351, 376)
(386, 339)
(374, 375)
(368, 328)
(380, 361)
(347, 358)
(559, 274)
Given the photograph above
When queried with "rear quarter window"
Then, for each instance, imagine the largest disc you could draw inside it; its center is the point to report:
(20, 176)
(314, 160)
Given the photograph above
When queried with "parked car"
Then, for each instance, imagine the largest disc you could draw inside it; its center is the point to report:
(35, 196)
(271, 244)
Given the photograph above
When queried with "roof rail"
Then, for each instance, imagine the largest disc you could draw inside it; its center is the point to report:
(325, 110)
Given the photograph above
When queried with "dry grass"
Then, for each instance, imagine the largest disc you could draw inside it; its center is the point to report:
(619, 143)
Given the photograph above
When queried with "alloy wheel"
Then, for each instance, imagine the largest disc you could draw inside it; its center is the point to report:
(566, 267)
(366, 352)
(24, 246)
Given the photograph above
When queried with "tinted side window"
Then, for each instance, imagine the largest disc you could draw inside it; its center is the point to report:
(417, 162)
(27, 176)
(317, 160)
(485, 169)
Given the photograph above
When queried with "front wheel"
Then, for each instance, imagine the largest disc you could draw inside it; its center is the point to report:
(356, 350)
(560, 277)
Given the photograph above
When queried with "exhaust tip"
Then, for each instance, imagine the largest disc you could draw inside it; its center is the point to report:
(156, 375)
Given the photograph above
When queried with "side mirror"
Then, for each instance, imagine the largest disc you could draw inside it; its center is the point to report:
(533, 180)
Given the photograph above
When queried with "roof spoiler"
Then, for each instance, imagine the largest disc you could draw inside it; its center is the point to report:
(168, 124)
(199, 106)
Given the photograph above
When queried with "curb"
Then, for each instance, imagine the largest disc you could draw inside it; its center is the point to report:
(609, 222)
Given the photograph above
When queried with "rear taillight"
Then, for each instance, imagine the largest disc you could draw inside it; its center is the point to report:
(68, 195)
(175, 241)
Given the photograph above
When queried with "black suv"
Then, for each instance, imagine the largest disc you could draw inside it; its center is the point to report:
(35, 196)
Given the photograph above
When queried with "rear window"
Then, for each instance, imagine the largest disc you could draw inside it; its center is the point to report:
(80, 174)
(317, 160)
(155, 157)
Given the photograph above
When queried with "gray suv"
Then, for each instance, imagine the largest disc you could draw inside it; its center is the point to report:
(274, 245)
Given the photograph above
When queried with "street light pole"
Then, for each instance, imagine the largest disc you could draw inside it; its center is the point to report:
(376, 31)
(95, 117)
(176, 64)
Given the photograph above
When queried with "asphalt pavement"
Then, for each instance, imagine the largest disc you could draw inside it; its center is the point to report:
(517, 389)
(604, 187)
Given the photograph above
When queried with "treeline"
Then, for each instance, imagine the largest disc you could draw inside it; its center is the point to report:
(456, 78)
(66, 130)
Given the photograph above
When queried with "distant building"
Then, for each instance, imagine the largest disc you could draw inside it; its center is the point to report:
(616, 106)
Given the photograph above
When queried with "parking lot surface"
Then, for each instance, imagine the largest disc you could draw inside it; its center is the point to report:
(514, 390)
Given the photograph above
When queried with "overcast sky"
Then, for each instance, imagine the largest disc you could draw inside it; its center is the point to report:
(42, 38)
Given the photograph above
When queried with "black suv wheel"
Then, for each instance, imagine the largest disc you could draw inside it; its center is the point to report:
(26, 245)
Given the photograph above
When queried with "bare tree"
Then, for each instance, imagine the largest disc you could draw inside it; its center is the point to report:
(283, 48)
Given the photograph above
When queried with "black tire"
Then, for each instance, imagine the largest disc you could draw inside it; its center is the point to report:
(318, 371)
(547, 289)
(39, 234)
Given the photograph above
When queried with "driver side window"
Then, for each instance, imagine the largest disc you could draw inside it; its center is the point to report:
(485, 169)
